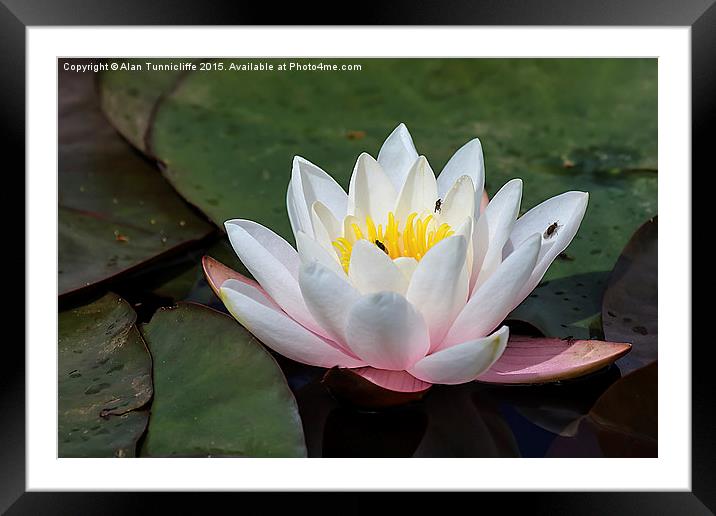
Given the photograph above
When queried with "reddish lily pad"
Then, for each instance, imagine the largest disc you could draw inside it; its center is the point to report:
(115, 210)
(533, 360)
(630, 306)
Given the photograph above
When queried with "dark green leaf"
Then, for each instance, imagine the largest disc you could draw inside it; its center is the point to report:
(104, 377)
(218, 392)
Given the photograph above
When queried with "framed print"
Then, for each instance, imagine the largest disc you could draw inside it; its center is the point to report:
(346, 258)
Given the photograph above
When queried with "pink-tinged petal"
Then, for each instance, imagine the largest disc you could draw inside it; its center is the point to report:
(493, 230)
(371, 193)
(311, 251)
(484, 201)
(386, 332)
(419, 192)
(438, 287)
(278, 331)
(371, 270)
(274, 264)
(370, 388)
(567, 211)
(217, 273)
(329, 298)
(397, 155)
(463, 362)
(398, 381)
(491, 303)
(529, 360)
(467, 161)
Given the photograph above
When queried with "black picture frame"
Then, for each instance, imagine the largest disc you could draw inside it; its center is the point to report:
(17, 15)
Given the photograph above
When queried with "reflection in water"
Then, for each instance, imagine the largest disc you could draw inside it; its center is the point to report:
(476, 420)
(463, 422)
(622, 422)
(390, 433)
(557, 407)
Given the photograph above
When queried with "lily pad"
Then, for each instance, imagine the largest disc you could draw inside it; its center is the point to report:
(630, 307)
(115, 210)
(568, 307)
(128, 97)
(217, 391)
(104, 380)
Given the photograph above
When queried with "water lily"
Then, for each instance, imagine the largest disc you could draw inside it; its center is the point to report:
(406, 278)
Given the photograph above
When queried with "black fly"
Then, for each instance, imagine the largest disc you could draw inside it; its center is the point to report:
(551, 230)
(381, 246)
(438, 205)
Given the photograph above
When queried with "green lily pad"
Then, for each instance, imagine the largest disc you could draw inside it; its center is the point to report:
(630, 308)
(566, 307)
(115, 210)
(128, 97)
(104, 380)
(218, 392)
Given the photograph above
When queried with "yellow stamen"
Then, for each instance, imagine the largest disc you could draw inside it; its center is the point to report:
(413, 241)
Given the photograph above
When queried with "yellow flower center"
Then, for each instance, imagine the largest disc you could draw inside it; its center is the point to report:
(411, 240)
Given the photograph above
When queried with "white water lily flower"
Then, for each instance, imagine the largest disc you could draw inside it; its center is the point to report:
(404, 279)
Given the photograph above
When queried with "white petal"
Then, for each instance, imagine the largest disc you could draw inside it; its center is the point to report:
(300, 221)
(326, 226)
(466, 230)
(371, 193)
(438, 288)
(309, 250)
(386, 331)
(462, 362)
(491, 303)
(273, 263)
(459, 202)
(419, 192)
(493, 230)
(329, 297)
(278, 331)
(467, 161)
(348, 232)
(407, 266)
(397, 155)
(313, 184)
(567, 210)
(371, 270)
